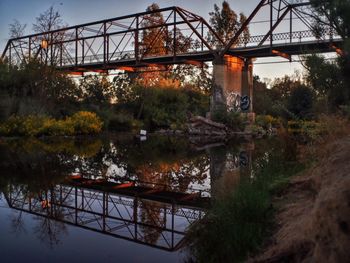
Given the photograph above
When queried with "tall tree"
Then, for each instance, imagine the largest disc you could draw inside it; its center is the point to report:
(331, 79)
(50, 20)
(154, 39)
(327, 80)
(300, 102)
(16, 29)
(334, 14)
(226, 22)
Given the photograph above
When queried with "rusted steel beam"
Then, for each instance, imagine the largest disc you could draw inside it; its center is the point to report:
(243, 27)
(194, 30)
(99, 22)
(273, 27)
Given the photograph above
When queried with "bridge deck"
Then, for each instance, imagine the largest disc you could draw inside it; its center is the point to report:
(150, 193)
(308, 47)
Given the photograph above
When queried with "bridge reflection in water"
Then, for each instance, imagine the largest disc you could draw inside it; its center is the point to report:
(131, 213)
(147, 199)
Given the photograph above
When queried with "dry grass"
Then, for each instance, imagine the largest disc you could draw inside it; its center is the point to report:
(314, 224)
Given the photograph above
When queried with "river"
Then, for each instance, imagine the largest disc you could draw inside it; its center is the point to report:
(117, 198)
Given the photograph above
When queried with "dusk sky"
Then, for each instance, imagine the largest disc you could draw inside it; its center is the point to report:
(82, 11)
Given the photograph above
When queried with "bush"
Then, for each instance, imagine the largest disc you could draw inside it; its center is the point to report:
(231, 119)
(122, 122)
(162, 107)
(86, 122)
(80, 123)
(267, 121)
(300, 102)
(22, 126)
(306, 127)
(58, 127)
(327, 127)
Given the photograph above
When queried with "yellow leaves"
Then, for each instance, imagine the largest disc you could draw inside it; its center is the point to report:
(86, 122)
(82, 122)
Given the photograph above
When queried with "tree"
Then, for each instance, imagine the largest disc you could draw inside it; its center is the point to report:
(157, 39)
(50, 20)
(300, 102)
(246, 33)
(335, 14)
(97, 90)
(226, 22)
(327, 80)
(34, 88)
(281, 88)
(16, 29)
(262, 100)
(154, 39)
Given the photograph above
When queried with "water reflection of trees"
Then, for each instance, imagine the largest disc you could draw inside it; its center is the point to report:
(35, 167)
(48, 228)
(17, 223)
(152, 215)
(50, 231)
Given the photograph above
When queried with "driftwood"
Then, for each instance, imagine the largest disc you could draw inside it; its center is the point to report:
(202, 120)
(201, 126)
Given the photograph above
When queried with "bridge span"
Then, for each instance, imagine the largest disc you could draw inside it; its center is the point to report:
(119, 44)
(142, 215)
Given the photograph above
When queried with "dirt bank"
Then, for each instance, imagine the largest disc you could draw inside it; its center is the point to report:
(314, 215)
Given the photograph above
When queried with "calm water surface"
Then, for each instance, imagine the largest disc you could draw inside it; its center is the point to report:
(115, 199)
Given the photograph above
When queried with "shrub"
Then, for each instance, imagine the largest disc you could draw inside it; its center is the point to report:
(58, 127)
(122, 122)
(231, 119)
(85, 122)
(162, 107)
(267, 121)
(79, 123)
(22, 126)
(13, 126)
(300, 102)
(305, 127)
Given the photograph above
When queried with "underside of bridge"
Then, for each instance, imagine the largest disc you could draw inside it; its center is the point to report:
(117, 44)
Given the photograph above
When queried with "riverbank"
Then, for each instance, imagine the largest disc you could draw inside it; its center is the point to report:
(314, 211)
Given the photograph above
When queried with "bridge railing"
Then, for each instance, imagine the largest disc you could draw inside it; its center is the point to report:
(285, 38)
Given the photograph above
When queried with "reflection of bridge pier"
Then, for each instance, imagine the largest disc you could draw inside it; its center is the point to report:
(160, 224)
(226, 168)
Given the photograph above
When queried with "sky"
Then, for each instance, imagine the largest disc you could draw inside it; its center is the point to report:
(82, 11)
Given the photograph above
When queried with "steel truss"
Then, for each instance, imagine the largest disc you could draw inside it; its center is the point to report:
(118, 39)
(117, 43)
(156, 224)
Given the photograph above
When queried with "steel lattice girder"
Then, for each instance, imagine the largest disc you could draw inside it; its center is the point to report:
(117, 43)
(108, 213)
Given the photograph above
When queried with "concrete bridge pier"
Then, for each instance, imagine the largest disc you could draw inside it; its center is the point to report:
(232, 80)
